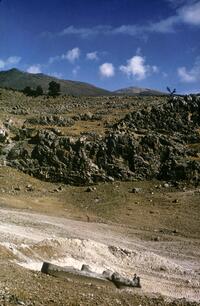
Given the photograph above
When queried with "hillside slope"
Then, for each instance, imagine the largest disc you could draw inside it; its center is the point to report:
(17, 79)
(133, 91)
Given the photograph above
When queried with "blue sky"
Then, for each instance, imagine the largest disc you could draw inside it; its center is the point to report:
(109, 43)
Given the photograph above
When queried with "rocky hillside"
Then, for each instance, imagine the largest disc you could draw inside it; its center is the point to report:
(133, 91)
(156, 142)
(18, 80)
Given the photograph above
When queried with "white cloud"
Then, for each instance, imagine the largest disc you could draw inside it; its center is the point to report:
(186, 76)
(84, 32)
(165, 25)
(92, 56)
(127, 29)
(54, 59)
(34, 69)
(107, 70)
(75, 70)
(192, 75)
(101, 29)
(12, 60)
(155, 69)
(186, 12)
(72, 55)
(2, 64)
(164, 74)
(137, 68)
(57, 75)
(191, 14)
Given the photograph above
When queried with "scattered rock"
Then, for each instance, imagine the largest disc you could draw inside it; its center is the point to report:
(136, 190)
(166, 185)
(156, 238)
(90, 189)
(160, 151)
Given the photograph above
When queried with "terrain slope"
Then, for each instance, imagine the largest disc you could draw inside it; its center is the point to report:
(17, 79)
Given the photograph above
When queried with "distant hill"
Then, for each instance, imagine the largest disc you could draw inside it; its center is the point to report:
(17, 79)
(135, 91)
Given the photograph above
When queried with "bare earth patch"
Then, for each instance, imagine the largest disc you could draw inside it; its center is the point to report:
(121, 233)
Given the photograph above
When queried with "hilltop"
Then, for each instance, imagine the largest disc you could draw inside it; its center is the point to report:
(133, 91)
(18, 80)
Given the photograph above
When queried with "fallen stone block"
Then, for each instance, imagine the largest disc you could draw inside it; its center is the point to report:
(107, 276)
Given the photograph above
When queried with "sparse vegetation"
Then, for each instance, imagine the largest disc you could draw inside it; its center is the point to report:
(33, 93)
(172, 92)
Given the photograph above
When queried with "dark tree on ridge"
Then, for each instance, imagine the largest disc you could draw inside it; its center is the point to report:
(54, 89)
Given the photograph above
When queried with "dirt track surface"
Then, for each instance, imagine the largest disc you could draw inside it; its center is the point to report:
(170, 268)
(154, 233)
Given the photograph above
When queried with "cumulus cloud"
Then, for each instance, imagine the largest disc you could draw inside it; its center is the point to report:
(72, 55)
(190, 76)
(107, 70)
(190, 14)
(12, 60)
(92, 56)
(34, 69)
(137, 68)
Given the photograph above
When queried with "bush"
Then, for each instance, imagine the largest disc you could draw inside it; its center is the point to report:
(33, 93)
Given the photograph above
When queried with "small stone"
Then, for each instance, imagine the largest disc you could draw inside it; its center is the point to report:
(156, 238)
(166, 185)
(17, 188)
(20, 302)
(136, 190)
(90, 189)
(29, 187)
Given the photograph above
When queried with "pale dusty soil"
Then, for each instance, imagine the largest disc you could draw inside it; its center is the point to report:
(66, 228)
(168, 268)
